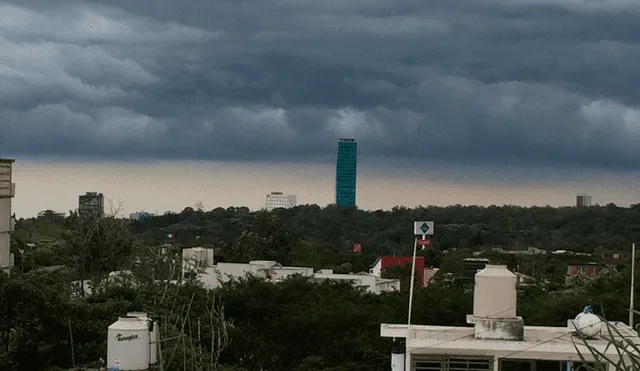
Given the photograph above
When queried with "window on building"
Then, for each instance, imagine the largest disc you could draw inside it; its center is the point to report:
(445, 363)
(543, 365)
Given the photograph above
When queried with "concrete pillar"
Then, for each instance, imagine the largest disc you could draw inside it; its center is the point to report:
(397, 362)
(7, 191)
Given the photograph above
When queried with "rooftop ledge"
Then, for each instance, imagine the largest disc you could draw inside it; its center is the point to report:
(540, 342)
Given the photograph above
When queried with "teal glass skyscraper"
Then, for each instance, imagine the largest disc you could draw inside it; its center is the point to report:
(346, 170)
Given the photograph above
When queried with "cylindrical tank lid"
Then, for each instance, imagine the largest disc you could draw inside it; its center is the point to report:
(136, 314)
(128, 318)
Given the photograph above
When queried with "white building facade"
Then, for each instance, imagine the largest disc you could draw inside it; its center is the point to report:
(7, 223)
(276, 200)
(369, 282)
(212, 275)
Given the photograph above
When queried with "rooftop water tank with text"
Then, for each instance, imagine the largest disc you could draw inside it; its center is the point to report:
(128, 344)
(154, 335)
(495, 293)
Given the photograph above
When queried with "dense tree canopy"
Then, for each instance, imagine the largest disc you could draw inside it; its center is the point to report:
(296, 324)
(583, 229)
(324, 237)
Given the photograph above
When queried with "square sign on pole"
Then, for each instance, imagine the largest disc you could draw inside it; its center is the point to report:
(423, 228)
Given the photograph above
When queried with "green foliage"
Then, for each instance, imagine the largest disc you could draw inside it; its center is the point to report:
(97, 246)
(36, 312)
(324, 237)
(296, 324)
(402, 273)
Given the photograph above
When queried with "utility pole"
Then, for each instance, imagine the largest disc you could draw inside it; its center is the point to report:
(633, 271)
(420, 228)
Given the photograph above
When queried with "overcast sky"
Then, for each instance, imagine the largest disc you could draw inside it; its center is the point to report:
(477, 81)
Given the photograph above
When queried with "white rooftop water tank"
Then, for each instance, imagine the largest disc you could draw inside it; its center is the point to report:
(128, 344)
(495, 293)
(153, 334)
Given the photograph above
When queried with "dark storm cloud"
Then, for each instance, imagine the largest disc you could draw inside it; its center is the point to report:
(482, 80)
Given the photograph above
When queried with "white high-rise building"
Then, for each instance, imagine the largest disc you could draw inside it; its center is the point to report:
(583, 200)
(277, 200)
(7, 223)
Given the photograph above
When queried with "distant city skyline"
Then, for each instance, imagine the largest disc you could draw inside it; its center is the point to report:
(164, 186)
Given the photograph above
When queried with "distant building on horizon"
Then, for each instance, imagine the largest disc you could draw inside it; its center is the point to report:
(276, 200)
(346, 172)
(583, 200)
(139, 215)
(47, 214)
(91, 203)
(7, 221)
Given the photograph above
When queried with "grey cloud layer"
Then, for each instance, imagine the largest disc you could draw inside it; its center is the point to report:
(471, 81)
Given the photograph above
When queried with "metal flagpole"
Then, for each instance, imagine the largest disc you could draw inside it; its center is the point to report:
(419, 228)
(413, 278)
(633, 265)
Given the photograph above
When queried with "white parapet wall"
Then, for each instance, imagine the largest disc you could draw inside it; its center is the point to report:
(7, 224)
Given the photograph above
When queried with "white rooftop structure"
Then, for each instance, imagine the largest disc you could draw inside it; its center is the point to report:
(213, 275)
(113, 278)
(372, 283)
(197, 257)
(496, 338)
